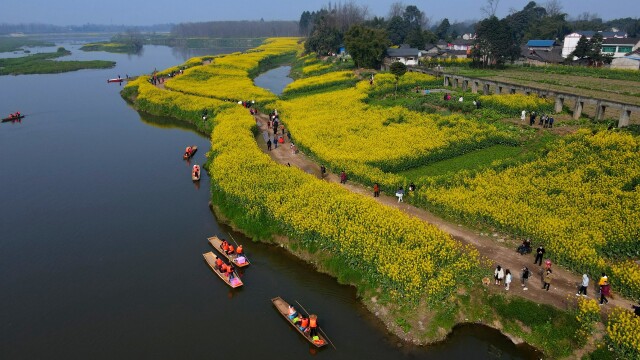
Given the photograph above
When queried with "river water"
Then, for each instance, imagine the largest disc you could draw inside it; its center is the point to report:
(102, 234)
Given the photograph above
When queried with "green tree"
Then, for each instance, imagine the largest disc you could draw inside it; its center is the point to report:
(429, 37)
(443, 29)
(325, 37)
(397, 30)
(595, 51)
(397, 69)
(366, 45)
(305, 23)
(495, 43)
(414, 38)
(583, 48)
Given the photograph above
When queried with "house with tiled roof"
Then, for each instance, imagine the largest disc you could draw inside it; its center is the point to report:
(404, 54)
(541, 52)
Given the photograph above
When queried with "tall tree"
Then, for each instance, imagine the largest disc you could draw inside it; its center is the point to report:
(397, 30)
(443, 29)
(325, 37)
(495, 43)
(367, 46)
(583, 48)
(305, 23)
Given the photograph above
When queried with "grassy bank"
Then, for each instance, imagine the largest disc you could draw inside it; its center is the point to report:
(44, 64)
(113, 47)
(8, 44)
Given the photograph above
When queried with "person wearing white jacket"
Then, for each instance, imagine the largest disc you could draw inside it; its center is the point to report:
(583, 286)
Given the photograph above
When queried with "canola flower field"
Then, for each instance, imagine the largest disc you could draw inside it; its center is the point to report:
(580, 198)
(411, 260)
(371, 142)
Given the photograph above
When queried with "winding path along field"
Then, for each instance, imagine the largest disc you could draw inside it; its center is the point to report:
(563, 287)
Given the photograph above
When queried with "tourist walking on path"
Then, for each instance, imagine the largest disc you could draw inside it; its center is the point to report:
(400, 194)
(583, 286)
(603, 280)
(269, 144)
(532, 118)
(605, 290)
(548, 276)
(343, 177)
(547, 264)
(376, 190)
(498, 274)
(323, 171)
(525, 277)
(507, 279)
(523, 115)
(539, 254)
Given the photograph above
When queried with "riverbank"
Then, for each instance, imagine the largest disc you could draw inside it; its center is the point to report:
(265, 199)
(43, 64)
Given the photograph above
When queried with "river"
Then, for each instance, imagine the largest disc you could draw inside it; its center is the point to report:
(102, 234)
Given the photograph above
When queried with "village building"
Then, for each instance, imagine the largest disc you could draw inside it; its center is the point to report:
(619, 47)
(630, 61)
(571, 40)
(541, 52)
(404, 54)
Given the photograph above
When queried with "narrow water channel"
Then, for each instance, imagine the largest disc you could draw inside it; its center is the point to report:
(102, 234)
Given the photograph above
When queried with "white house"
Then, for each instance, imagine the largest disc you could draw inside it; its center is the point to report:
(619, 47)
(571, 40)
(404, 54)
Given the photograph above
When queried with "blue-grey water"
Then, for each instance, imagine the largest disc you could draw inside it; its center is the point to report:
(102, 234)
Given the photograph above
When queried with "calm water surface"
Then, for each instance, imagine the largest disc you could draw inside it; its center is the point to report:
(102, 234)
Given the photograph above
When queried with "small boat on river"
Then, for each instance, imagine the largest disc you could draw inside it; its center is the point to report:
(237, 260)
(235, 282)
(115, 80)
(283, 308)
(13, 118)
(189, 152)
(195, 173)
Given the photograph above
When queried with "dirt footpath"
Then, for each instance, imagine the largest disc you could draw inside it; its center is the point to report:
(563, 287)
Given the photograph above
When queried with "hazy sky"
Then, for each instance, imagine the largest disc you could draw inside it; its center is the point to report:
(137, 12)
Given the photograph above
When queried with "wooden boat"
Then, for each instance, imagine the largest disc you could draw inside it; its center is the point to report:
(116, 80)
(194, 148)
(211, 260)
(13, 118)
(195, 177)
(283, 309)
(215, 242)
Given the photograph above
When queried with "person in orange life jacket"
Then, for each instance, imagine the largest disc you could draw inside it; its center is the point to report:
(225, 248)
(313, 325)
(304, 324)
(219, 263)
(239, 250)
(223, 268)
(231, 250)
(223, 244)
(230, 271)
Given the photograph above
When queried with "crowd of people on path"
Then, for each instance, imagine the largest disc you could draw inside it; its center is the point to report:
(501, 275)
(546, 121)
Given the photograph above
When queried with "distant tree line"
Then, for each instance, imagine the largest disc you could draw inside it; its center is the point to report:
(48, 28)
(237, 29)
